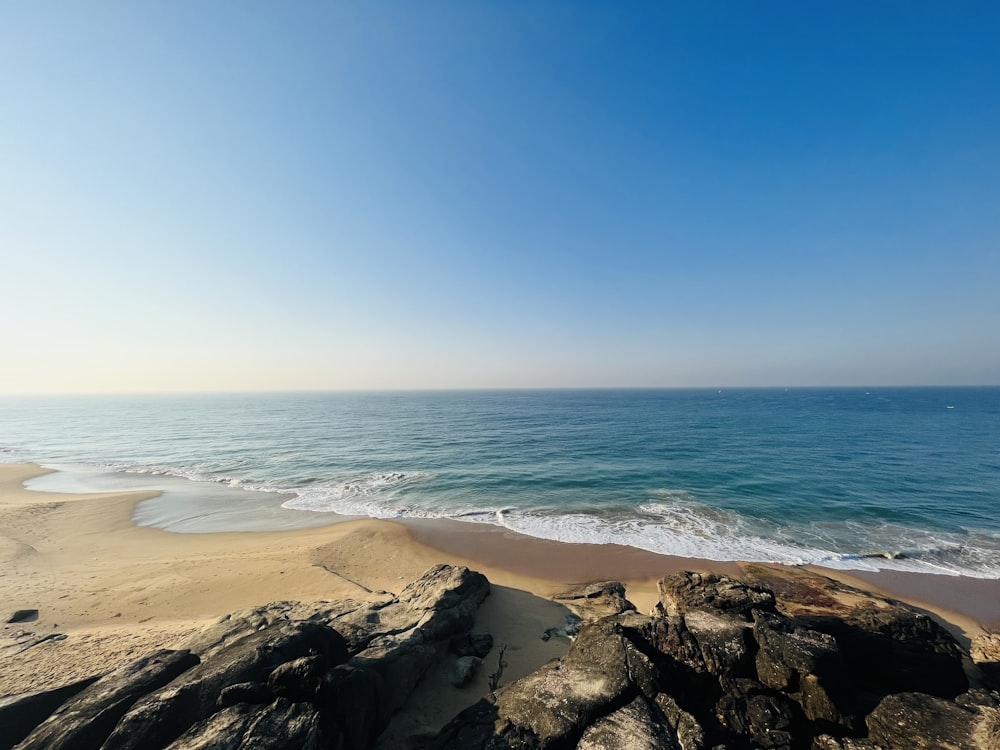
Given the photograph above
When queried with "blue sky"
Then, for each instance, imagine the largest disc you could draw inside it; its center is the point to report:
(199, 196)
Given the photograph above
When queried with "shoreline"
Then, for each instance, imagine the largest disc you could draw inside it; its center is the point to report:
(119, 588)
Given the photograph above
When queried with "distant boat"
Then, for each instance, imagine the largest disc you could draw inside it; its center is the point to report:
(949, 406)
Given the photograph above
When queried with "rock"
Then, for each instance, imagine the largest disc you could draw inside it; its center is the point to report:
(766, 717)
(805, 664)
(465, 670)
(725, 642)
(686, 729)
(88, 719)
(245, 727)
(21, 714)
(916, 721)
(349, 698)
(828, 742)
(245, 692)
(299, 679)
(681, 593)
(410, 634)
(23, 615)
(238, 625)
(473, 644)
(894, 649)
(597, 599)
(635, 726)
(569, 629)
(603, 668)
(164, 715)
(986, 656)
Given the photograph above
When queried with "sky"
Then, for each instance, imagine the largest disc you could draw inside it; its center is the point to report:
(215, 196)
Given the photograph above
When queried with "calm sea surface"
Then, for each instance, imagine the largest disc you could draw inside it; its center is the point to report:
(840, 477)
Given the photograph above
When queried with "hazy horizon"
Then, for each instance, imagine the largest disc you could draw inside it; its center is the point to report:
(250, 198)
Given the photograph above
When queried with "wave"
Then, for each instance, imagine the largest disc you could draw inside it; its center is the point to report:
(674, 523)
(668, 521)
(355, 495)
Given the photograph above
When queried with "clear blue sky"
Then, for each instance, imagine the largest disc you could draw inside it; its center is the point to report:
(253, 195)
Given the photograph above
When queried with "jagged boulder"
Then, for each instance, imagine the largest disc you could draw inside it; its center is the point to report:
(602, 672)
(638, 725)
(681, 593)
(807, 666)
(748, 710)
(161, 717)
(281, 724)
(597, 599)
(87, 720)
(21, 714)
(894, 649)
(917, 721)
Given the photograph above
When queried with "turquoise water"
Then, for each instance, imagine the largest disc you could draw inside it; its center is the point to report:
(803, 475)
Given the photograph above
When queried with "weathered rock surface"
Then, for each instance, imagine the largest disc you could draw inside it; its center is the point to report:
(597, 599)
(88, 719)
(20, 714)
(916, 721)
(282, 675)
(681, 593)
(719, 664)
(986, 657)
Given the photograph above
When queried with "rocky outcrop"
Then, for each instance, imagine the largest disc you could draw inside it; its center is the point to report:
(282, 675)
(86, 720)
(985, 654)
(20, 714)
(719, 663)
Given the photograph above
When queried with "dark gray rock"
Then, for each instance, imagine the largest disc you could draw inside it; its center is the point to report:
(688, 732)
(465, 670)
(161, 717)
(894, 649)
(473, 644)
(245, 692)
(250, 727)
(349, 698)
(597, 599)
(602, 671)
(829, 742)
(299, 679)
(413, 632)
(807, 665)
(20, 714)
(635, 726)
(23, 615)
(916, 721)
(87, 720)
(681, 593)
(749, 710)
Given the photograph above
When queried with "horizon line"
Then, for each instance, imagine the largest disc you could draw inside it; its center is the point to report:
(492, 389)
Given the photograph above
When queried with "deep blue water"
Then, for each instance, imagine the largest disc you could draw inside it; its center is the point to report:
(802, 475)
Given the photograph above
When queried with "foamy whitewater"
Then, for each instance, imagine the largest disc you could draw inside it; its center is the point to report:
(906, 479)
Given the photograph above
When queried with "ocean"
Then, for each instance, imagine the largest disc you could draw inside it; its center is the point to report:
(898, 478)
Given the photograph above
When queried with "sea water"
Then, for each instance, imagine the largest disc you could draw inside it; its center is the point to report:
(902, 478)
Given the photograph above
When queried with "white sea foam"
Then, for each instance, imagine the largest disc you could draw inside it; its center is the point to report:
(359, 495)
(671, 522)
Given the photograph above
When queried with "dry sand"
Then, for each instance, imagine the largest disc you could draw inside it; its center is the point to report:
(116, 591)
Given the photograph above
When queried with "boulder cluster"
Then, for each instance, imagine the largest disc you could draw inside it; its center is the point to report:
(719, 663)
